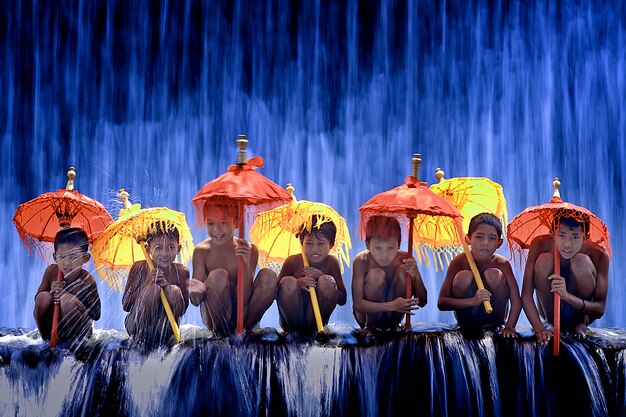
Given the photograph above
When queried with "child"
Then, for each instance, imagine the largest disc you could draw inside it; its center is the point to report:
(379, 278)
(214, 282)
(323, 273)
(459, 291)
(582, 284)
(147, 322)
(77, 295)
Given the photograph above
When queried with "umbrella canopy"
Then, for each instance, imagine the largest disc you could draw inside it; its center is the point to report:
(120, 245)
(274, 231)
(38, 220)
(472, 196)
(433, 219)
(537, 221)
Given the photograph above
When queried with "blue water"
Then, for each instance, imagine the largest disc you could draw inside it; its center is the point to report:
(336, 96)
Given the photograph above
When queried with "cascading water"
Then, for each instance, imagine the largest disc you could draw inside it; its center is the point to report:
(336, 96)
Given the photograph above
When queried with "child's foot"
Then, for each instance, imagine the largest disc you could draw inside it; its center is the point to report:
(580, 331)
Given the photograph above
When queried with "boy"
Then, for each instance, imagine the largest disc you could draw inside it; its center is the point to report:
(77, 295)
(379, 278)
(459, 291)
(582, 284)
(146, 321)
(214, 282)
(323, 274)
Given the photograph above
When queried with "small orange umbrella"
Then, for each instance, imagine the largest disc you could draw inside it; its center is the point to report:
(38, 221)
(248, 191)
(538, 221)
(426, 215)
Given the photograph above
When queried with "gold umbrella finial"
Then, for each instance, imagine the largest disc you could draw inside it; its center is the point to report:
(71, 174)
(416, 161)
(291, 190)
(242, 144)
(123, 195)
(556, 184)
(439, 174)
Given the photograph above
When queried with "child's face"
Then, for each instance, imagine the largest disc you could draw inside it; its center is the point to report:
(163, 251)
(384, 251)
(485, 240)
(220, 226)
(569, 240)
(70, 258)
(316, 248)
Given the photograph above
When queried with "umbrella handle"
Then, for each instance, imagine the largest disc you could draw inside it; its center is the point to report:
(166, 304)
(477, 278)
(409, 278)
(240, 279)
(55, 316)
(557, 305)
(314, 303)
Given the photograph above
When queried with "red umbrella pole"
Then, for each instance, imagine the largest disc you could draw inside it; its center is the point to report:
(55, 315)
(557, 304)
(240, 276)
(409, 279)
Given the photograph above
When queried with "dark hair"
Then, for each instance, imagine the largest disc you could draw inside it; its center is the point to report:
(485, 218)
(570, 221)
(162, 228)
(73, 236)
(327, 230)
(228, 209)
(383, 227)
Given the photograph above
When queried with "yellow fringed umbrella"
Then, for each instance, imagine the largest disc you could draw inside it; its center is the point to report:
(472, 196)
(122, 244)
(274, 234)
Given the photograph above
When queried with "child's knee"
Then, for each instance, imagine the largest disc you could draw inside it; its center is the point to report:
(326, 284)
(43, 302)
(288, 286)
(217, 279)
(463, 280)
(582, 265)
(375, 277)
(544, 265)
(267, 279)
(494, 278)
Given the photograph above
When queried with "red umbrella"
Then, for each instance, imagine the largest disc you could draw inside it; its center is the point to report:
(247, 190)
(426, 215)
(38, 221)
(538, 221)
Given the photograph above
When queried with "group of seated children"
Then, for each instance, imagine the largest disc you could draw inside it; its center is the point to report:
(378, 281)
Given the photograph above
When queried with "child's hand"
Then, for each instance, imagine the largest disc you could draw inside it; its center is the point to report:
(508, 332)
(56, 289)
(309, 271)
(557, 284)
(405, 305)
(157, 276)
(305, 282)
(543, 335)
(243, 249)
(480, 296)
(196, 291)
(410, 267)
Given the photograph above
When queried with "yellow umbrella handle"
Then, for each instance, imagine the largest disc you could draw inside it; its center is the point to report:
(166, 304)
(479, 281)
(314, 303)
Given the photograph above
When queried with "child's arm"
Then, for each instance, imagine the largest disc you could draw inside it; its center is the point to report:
(528, 289)
(133, 284)
(446, 301)
(49, 275)
(335, 272)
(92, 304)
(514, 298)
(196, 284)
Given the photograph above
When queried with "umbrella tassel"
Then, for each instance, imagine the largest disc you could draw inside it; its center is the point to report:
(314, 303)
(166, 304)
(55, 315)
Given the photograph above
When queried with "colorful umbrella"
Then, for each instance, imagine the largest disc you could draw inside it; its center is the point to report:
(274, 234)
(249, 192)
(538, 221)
(472, 196)
(123, 243)
(38, 221)
(427, 217)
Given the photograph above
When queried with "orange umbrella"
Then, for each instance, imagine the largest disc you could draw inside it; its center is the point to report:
(38, 221)
(426, 215)
(538, 221)
(249, 192)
